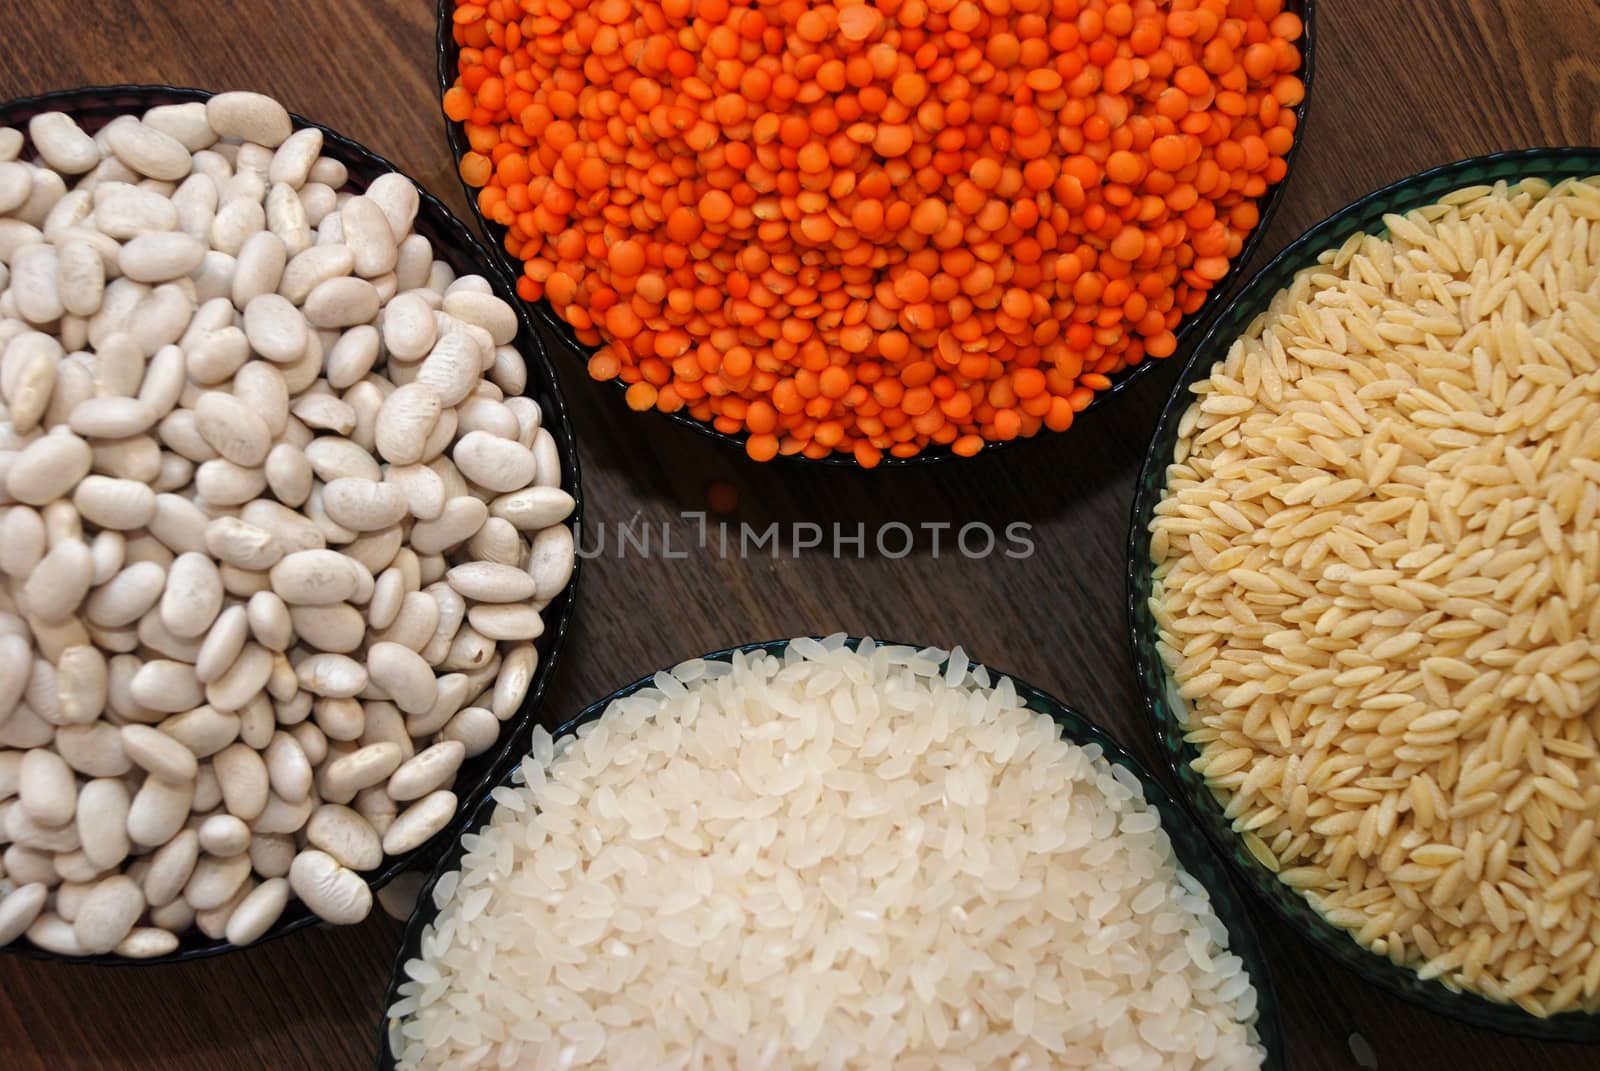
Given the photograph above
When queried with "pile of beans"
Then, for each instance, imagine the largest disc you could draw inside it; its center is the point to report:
(276, 527)
(873, 225)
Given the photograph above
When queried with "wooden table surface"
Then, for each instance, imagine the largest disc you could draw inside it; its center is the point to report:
(1393, 94)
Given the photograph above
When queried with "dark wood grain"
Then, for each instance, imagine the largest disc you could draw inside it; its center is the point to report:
(1399, 87)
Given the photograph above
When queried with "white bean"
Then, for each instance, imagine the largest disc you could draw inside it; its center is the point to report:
(235, 220)
(286, 218)
(491, 582)
(363, 505)
(160, 256)
(275, 328)
(16, 183)
(551, 559)
(484, 414)
(314, 578)
(403, 675)
(121, 505)
(48, 189)
(486, 311)
(428, 770)
(158, 811)
(250, 117)
(271, 854)
(259, 268)
(457, 522)
(408, 328)
(157, 321)
(510, 371)
(332, 676)
(204, 730)
(422, 488)
(325, 412)
(113, 417)
(372, 765)
(195, 203)
(242, 681)
(59, 583)
(493, 463)
(309, 268)
(194, 595)
(170, 867)
(243, 777)
(82, 278)
(81, 684)
(19, 908)
(256, 913)
(36, 284)
(398, 197)
(55, 934)
(214, 881)
(334, 893)
(345, 835)
(475, 727)
(452, 368)
(232, 428)
(125, 597)
(405, 421)
(368, 235)
(185, 122)
(62, 143)
(94, 750)
(47, 788)
(161, 755)
(262, 388)
(22, 541)
(242, 544)
(295, 156)
(147, 942)
(547, 458)
(223, 835)
(282, 816)
(419, 822)
(506, 621)
(148, 150)
(108, 914)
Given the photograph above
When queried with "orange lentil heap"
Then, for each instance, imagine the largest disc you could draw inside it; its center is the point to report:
(871, 225)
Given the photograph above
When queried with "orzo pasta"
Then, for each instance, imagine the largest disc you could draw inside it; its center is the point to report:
(1377, 588)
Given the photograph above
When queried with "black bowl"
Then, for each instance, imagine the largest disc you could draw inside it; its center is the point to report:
(1365, 214)
(94, 107)
(1188, 843)
(558, 335)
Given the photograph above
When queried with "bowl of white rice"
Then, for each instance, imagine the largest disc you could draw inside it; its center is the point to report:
(829, 853)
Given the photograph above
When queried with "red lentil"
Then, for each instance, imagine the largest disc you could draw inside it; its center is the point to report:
(868, 226)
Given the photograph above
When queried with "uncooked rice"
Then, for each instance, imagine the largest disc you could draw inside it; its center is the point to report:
(1377, 589)
(836, 858)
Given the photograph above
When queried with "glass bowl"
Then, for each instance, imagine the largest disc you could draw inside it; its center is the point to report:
(559, 335)
(1155, 684)
(1188, 843)
(95, 106)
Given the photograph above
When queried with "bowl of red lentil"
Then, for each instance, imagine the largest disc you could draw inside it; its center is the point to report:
(881, 232)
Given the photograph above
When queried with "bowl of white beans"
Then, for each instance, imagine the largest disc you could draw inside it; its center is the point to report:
(288, 496)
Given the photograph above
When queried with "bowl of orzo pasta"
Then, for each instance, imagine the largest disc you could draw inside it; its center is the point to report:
(1364, 588)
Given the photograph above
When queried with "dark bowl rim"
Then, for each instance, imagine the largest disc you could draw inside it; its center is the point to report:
(1189, 329)
(1231, 907)
(1402, 982)
(515, 729)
